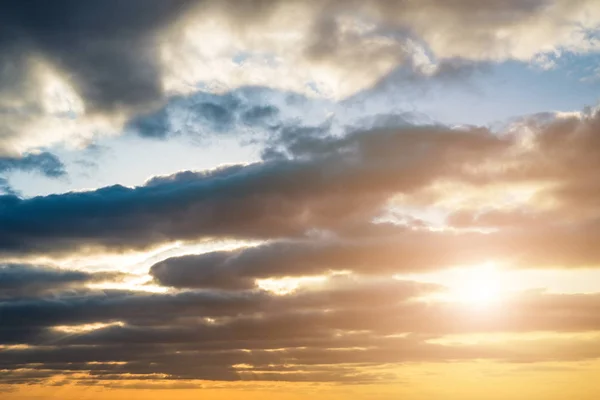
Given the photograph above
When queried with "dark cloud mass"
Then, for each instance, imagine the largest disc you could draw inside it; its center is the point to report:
(397, 250)
(105, 48)
(355, 209)
(206, 334)
(313, 200)
(330, 182)
(122, 60)
(108, 49)
(20, 280)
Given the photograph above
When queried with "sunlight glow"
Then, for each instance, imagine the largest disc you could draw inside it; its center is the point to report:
(283, 286)
(75, 329)
(480, 285)
(140, 283)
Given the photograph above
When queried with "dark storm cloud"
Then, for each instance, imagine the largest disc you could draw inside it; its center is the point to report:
(106, 48)
(330, 182)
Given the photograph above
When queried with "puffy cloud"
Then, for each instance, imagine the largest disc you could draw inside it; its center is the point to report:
(67, 63)
(338, 47)
(75, 71)
(105, 49)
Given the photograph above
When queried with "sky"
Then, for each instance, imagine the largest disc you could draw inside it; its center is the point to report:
(278, 199)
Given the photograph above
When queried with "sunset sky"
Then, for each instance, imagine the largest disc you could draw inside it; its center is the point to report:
(278, 199)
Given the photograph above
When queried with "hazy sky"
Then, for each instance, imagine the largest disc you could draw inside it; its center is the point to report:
(274, 199)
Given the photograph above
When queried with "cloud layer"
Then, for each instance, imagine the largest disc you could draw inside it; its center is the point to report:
(79, 71)
(353, 199)
(314, 201)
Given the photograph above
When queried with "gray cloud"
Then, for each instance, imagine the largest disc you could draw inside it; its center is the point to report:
(45, 163)
(150, 309)
(329, 182)
(316, 176)
(111, 56)
(383, 250)
(204, 113)
(349, 323)
(329, 333)
(107, 49)
(21, 280)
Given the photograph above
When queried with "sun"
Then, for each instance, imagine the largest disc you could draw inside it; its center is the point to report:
(478, 285)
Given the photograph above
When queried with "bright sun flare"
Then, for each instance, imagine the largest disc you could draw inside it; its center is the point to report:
(479, 285)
